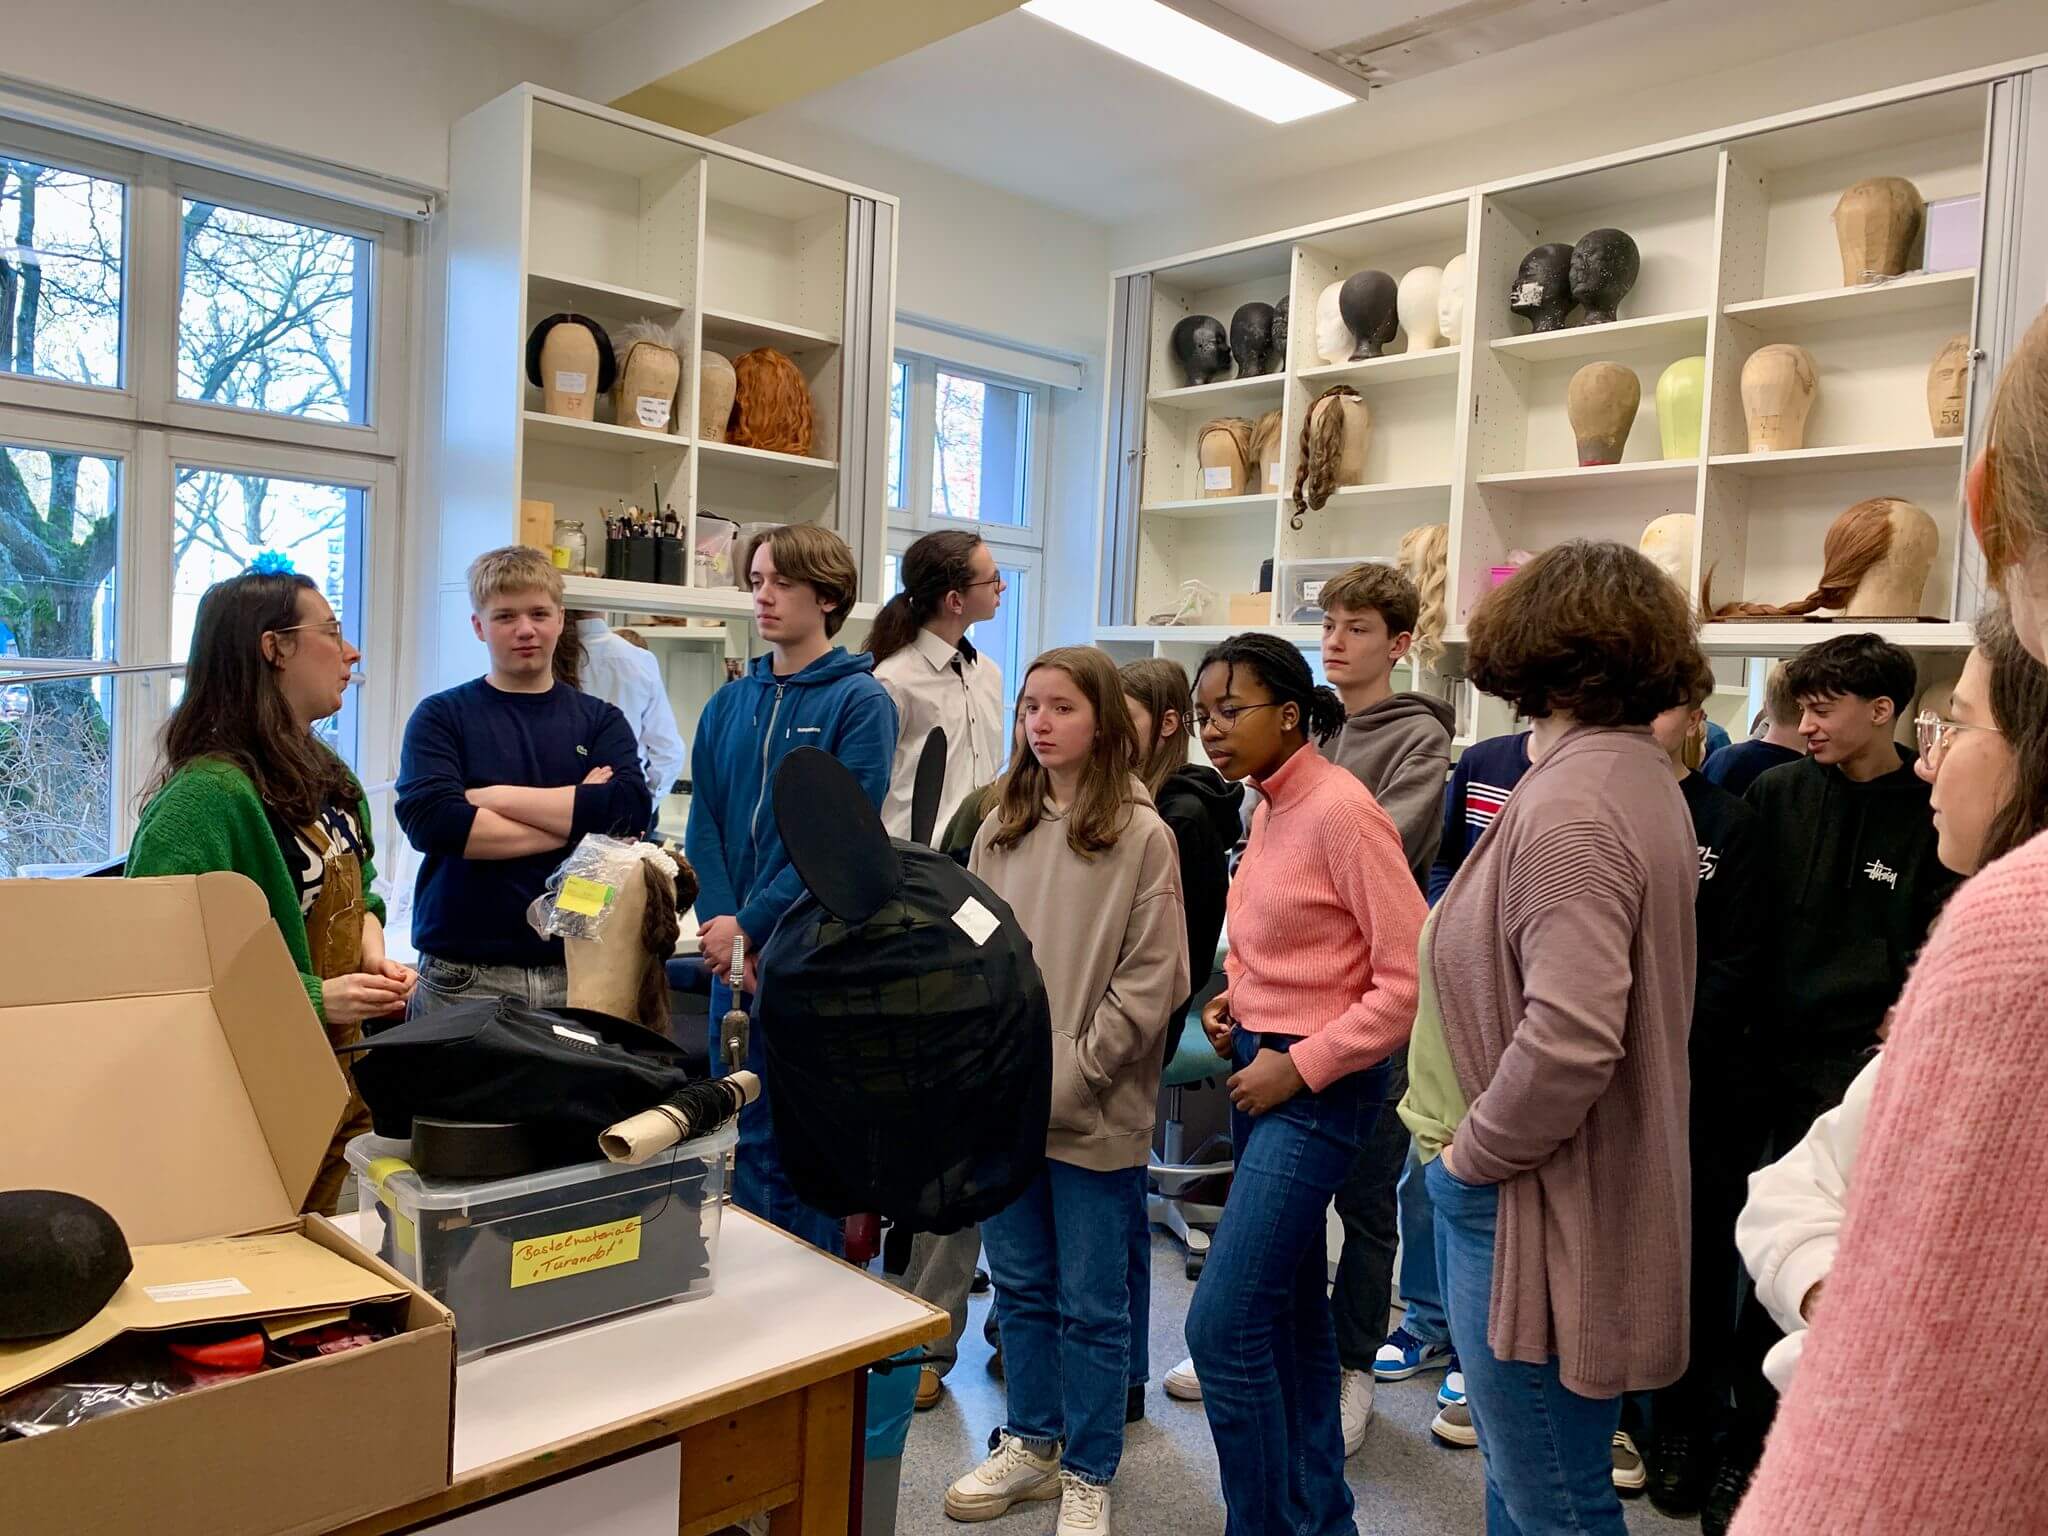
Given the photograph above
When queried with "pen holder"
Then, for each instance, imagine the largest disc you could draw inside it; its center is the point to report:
(668, 561)
(639, 559)
(615, 559)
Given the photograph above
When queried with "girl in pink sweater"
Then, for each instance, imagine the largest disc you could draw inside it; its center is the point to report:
(1945, 1228)
(1323, 920)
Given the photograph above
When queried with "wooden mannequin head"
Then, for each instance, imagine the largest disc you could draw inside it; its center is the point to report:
(1948, 380)
(1778, 386)
(623, 972)
(1601, 402)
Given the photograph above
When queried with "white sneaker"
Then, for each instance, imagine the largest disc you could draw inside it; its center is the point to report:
(1354, 1405)
(1183, 1383)
(1084, 1508)
(1013, 1474)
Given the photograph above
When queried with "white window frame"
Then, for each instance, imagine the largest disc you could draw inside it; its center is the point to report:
(919, 423)
(143, 424)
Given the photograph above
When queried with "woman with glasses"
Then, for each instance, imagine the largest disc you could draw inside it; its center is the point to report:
(246, 785)
(1323, 916)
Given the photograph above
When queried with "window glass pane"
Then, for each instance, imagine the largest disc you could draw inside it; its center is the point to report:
(899, 407)
(272, 315)
(61, 247)
(58, 541)
(980, 437)
(1001, 638)
(226, 522)
(56, 775)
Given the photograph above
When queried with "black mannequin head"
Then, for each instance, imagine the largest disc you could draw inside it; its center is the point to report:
(1251, 339)
(1604, 267)
(1366, 301)
(1203, 347)
(1542, 293)
(1280, 334)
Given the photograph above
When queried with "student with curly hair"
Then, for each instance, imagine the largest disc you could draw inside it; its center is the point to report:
(1547, 1074)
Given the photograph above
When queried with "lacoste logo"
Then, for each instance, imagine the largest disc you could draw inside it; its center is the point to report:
(1877, 869)
(582, 751)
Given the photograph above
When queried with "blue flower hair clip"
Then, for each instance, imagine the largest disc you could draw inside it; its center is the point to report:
(271, 563)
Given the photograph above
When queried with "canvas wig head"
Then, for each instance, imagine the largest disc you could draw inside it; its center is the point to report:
(1856, 542)
(771, 407)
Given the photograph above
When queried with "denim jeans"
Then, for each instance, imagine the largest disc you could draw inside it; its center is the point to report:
(1422, 1288)
(1259, 1327)
(1060, 1258)
(760, 1187)
(453, 981)
(1548, 1451)
(1139, 1276)
(1367, 1207)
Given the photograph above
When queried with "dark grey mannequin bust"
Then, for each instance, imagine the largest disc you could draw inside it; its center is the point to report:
(1251, 339)
(1542, 294)
(1280, 333)
(1203, 347)
(1366, 301)
(1605, 265)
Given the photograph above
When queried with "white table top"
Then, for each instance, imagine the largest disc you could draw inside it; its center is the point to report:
(777, 1303)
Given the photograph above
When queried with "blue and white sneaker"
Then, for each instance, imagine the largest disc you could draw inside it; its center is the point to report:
(1452, 1393)
(1404, 1355)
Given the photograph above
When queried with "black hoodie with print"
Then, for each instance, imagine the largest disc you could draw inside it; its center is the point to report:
(1854, 885)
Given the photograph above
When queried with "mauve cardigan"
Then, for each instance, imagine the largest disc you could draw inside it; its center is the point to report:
(1945, 1239)
(1563, 960)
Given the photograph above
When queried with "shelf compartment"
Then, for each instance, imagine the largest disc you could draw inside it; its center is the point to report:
(1639, 472)
(1211, 506)
(1442, 362)
(599, 436)
(725, 328)
(1396, 493)
(1936, 454)
(554, 291)
(1771, 638)
(761, 464)
(1260, 389)
(1685, 331)
(1871, 301)
(611, 596)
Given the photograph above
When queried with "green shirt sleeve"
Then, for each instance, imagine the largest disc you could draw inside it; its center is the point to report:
(1434, 1105)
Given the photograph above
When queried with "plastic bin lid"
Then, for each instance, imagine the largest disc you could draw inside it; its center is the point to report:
(382, 1160)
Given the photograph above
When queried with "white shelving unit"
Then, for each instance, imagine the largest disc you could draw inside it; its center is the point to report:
(561, 205)
(1738, 250)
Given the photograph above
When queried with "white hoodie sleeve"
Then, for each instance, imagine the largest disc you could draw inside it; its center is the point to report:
(1789, 1228)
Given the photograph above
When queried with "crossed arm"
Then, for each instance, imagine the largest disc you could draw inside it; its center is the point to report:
(513, 820)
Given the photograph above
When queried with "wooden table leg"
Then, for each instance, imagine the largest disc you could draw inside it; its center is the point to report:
(823, 1504)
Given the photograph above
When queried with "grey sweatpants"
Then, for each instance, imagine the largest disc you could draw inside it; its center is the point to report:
(941, 1271)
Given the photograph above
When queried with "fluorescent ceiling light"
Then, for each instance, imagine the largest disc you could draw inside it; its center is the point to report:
(1161, 38)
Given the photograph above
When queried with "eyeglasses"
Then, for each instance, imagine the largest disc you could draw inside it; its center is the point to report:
(1225, 718)
(331, 628)
(1937, 734)
(995, 581)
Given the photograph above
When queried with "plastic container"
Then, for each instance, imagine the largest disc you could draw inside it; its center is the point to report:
(1301, 584)
(516, 1258)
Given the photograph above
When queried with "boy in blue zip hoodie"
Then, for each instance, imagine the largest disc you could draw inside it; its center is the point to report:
(806, 692)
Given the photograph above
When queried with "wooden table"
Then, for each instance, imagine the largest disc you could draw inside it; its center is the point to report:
(759, 1384)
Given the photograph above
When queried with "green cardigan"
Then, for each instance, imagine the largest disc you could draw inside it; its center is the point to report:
(209, 818)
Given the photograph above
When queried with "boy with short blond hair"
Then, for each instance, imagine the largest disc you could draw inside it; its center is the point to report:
(497, 779)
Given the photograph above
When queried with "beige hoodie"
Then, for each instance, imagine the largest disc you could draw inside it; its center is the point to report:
(1110, 939)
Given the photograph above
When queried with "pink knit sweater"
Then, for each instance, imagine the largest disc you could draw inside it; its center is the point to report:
(1894, 1424)
(1324, 918)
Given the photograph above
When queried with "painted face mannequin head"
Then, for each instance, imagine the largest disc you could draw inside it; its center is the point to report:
(1604, 267)
(1369, 303)
(1203, 347)
(1542, 293)
(1450, 300)
(1251, 339)
(1948, 378)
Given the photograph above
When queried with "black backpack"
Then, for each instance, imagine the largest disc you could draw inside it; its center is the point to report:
(908, 1038)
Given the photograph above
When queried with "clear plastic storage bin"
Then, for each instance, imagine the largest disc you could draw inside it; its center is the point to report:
(515, 1258)
(1301, 584)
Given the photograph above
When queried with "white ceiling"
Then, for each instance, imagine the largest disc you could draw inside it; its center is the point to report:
(1030, 109)
(553, 18)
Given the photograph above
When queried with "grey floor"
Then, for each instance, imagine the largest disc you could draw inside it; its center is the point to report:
(1405, 1482)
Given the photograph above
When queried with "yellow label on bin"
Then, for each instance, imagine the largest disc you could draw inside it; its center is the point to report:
(586, 897)
(539, 1259)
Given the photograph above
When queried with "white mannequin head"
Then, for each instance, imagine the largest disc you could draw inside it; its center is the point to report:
(1334, 340)
(1450, 300)
(1667, 544)
(1417, 300)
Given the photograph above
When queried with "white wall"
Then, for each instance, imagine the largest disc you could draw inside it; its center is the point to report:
(1598, 124)
(369, 83)
(972, 256)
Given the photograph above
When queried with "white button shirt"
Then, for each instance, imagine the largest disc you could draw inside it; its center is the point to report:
(959, 691)
(620, 673)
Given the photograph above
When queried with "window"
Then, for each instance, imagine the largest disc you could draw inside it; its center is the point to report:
(1003, 639)
(240, 349)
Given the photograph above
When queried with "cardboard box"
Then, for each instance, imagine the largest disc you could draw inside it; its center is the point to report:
(158, 1056)
(537, 525)
(1251, 608)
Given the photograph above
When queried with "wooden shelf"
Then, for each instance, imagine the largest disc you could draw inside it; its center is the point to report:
(1941, 453)
(1871, 301)
(1361, 497)
(676, 634)
(1211, 506)
(1770, 638)
(762, 465)
(746, 332)
(599, 436)
(1260, 388)
(611, 596)
(1206, 634)
(1686, 330)
(1442, 362)
(553, 291)
(1637, 472)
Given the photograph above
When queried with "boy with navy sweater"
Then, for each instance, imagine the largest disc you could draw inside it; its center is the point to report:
(1485, 775)
(806, 692)
(497, 779)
